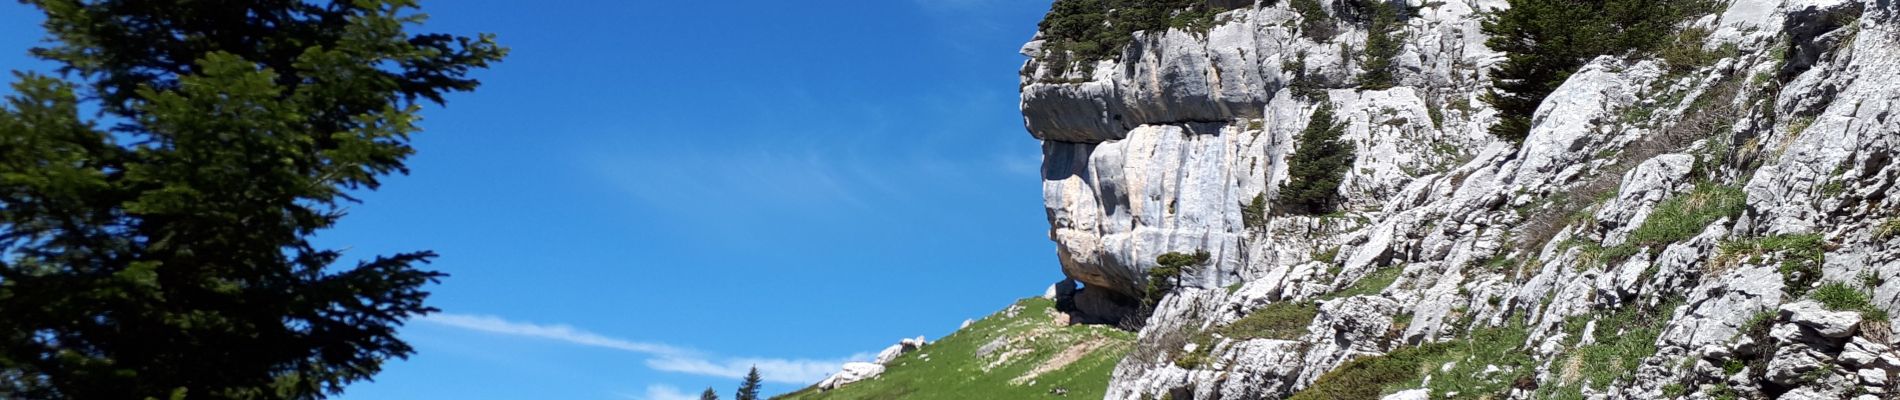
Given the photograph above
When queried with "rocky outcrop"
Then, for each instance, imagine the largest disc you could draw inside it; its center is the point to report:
(903, 346)
(858, 371)
(853, 372)
(1685, 211)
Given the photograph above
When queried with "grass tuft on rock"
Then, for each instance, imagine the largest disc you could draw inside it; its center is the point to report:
(1686, 215)
(1840, 296)
(1285, 320)
(1801, 257)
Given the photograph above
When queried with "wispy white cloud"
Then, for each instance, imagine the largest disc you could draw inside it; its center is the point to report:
(770, 369)
(562, 333)
(663, 357)
(662, 392)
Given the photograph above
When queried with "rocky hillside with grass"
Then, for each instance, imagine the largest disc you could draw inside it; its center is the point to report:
(1484, 199)
(1028, 350)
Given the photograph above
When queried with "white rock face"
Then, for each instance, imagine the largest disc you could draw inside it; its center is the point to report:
(1114, 211)
(1413, 394)
(903, 346)
(1831, 324)
(1163, 149)
(852, 372)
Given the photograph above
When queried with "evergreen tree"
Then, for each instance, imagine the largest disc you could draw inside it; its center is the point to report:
(749, 389)
(1384, 39)
(1315, 23)
(709, 394)
(160, 247)
(1317, 167)
(1544, 41)
(1166, 275)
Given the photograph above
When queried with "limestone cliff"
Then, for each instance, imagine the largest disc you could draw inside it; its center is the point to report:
(1662, 232)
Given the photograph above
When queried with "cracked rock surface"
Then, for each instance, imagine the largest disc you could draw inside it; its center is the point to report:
(1661, 233)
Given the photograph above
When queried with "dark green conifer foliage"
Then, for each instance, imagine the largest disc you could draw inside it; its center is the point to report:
(160, 248)
(709, 394)
(1095, 30)
(749, 388)
(1315, 22)
(1166, 275)
(1384, 39)
(1317, 167)
(1544, 41)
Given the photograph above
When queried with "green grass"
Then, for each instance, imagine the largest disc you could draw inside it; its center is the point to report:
(1801, 257)
(1684, 216)
(1371, 284)
(1285, 320)
(1674, 390)
(1623, 339)
(1887, 229)
(1839, 296)
(1594, 255)
(1372, 377)
(1194, 359)
(1686, 53)
(1253, 215)
(1799, 125)
(1329, 256)
(954, 370)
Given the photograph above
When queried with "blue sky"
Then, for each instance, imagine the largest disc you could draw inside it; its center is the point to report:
(647, 197)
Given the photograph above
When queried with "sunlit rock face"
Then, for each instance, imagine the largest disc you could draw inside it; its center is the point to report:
(1447, 231)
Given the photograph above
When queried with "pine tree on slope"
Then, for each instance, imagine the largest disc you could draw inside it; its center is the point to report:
(749, 390)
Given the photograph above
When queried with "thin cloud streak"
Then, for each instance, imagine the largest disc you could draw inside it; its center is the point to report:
(770, 370)
(664, 357)
(664, 392)
(561, 333)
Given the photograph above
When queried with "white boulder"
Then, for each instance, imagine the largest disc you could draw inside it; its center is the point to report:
(852, 372)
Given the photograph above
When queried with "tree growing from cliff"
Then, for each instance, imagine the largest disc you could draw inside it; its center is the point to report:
(1166, 275)
(749, 388)
(1082, 32)
(1544, 41)
(1384, 39)
(1317, 167)
(159, 247)
(1315, 23)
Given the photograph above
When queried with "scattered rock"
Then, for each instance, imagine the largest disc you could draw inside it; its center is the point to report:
(1863, 353)
(1872, 377)
(1413, 394)
(903, 346)
(992, 346)
(853, 372)
(1831, 324)
(1791, 365)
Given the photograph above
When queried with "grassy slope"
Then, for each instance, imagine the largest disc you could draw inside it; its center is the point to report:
(954, 371)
